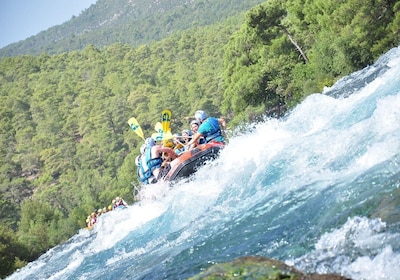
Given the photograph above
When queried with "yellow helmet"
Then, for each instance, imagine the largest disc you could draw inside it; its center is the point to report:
(168, 143)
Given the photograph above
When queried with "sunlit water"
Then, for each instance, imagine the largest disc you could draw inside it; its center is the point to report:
(301, 190)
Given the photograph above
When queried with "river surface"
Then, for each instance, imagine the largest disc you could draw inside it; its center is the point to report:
(303, 189)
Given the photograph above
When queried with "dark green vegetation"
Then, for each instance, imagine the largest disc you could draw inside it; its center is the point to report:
(66, 147)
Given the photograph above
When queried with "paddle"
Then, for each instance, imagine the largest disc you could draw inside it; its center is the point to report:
(157, 136)
(160, 136)
(158, 127)
(166, 116)
(133, 123)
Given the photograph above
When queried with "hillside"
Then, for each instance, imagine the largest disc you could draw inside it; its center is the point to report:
(133, 22)
(64, 139)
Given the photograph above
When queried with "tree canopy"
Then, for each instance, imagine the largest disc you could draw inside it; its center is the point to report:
(286, 50)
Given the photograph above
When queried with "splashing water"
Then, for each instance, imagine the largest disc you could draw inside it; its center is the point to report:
(312, 189)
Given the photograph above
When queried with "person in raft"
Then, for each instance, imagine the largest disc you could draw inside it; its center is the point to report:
(150, 162)
(209, 128)
(194, 126)
(119, 202)
(178, 145)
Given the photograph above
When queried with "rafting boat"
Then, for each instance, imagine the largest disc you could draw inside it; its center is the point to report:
(190, 161)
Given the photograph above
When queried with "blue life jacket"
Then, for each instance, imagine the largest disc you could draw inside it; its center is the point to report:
(213, 131)
(178, 151)
(147, 165)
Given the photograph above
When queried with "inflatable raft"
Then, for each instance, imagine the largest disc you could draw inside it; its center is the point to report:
(190, 161)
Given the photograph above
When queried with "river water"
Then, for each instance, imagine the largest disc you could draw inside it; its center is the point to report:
(304, 190)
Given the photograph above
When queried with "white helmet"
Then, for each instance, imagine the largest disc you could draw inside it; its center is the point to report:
(142, 148)
(200, 115)
(150, 142)
(194, 122)
(137, 160)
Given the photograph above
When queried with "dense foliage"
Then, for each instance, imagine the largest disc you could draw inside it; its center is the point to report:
(287, 50)
(66, 148)
(133, 22)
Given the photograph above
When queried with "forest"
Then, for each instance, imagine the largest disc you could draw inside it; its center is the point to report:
(133, 22)
(66, 147)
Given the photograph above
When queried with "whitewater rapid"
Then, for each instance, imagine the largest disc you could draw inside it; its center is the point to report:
(305, 189)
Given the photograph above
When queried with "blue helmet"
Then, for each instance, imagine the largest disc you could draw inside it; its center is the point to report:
(150, 142)
(200, 115)
(187, 131)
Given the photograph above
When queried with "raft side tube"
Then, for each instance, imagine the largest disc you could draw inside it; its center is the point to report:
(190, 161)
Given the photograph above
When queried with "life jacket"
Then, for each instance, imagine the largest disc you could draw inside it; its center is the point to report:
(179, 148)
(147, 165)
(121, 203)
(215, 130)
(93, 220)
(201, 140)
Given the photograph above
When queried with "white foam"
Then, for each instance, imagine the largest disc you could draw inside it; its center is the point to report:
(385, 265)
(360, 249)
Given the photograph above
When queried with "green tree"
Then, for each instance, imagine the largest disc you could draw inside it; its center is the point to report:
(11, 251)
(37, 226)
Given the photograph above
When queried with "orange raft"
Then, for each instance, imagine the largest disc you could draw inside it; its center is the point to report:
(190, 161)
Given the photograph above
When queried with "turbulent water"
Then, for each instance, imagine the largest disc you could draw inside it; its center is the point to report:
(304, 190)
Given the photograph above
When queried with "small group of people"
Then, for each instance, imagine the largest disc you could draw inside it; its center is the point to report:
(153, 162)
(116, 203)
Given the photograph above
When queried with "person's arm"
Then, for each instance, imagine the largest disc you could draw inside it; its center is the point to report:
(222, 123)
(194, 142)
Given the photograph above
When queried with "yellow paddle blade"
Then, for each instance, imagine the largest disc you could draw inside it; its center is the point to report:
(158, 127)
(168, 135)
(159, 136)
(133, 123)
(166, 116)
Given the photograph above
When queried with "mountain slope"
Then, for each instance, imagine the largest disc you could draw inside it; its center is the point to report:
(132, 22)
